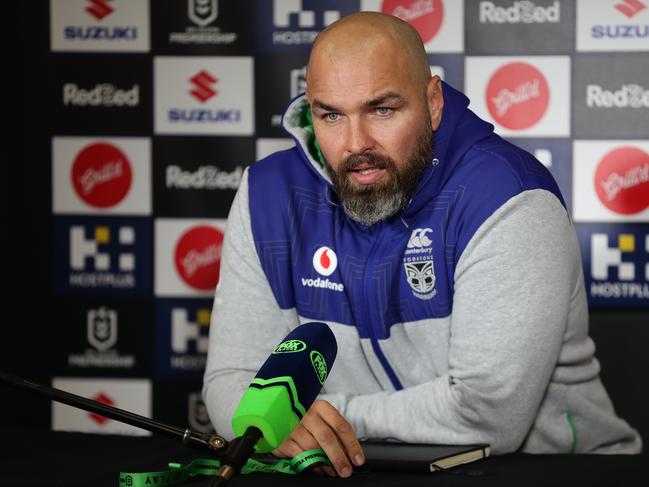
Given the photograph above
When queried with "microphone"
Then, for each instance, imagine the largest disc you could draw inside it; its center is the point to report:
(280, 394)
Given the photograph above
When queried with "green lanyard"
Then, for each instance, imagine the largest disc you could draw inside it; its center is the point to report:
(177, 473)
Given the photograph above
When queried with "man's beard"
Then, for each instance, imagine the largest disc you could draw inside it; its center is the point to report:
(371, 203)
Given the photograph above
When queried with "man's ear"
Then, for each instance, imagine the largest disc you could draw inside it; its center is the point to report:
(435, 99)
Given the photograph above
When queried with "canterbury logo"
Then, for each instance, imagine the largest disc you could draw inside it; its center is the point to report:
(99, 8)
(203, 90)
(418, 238)
(630, 7)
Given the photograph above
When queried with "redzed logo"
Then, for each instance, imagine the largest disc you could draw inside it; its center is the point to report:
(630, 7)
(99, 8)
(101, 175)
(103, 398)
(517, 95)
(424, 15)
(198, 257)
(622, 180)
(203, 90)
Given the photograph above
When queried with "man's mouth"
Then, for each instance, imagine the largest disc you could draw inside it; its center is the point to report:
(365, 174)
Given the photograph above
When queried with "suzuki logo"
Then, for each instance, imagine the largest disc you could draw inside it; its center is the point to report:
(203, 91)
(630, 7)
(99, 8)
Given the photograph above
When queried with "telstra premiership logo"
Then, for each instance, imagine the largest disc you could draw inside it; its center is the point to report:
(203, 90)
(99, 8)
(630, 8)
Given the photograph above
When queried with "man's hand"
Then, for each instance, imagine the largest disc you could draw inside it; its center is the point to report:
(324, 427)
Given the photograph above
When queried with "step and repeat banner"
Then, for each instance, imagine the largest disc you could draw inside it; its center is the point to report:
(156, 108)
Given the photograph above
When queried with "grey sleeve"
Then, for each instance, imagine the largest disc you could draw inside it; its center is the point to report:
(247, 322)
(513, 288)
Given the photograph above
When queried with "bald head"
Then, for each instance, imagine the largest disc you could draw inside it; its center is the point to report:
(364, 35)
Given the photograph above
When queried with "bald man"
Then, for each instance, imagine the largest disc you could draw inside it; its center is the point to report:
(441, 256)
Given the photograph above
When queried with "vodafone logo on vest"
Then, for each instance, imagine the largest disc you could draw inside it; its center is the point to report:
(198, 257)
(108, 175)
(517, 96)
(187, 256)
(622, 180)
(440, 23)
(611, 181)
(101, 175)
(522, 96)
(325, 261)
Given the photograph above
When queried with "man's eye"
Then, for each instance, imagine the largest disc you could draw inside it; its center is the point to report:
(384, 110)
(331, 117)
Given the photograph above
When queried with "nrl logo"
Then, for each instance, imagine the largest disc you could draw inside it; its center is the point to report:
(102, 328)
(421, 277)
(202, 12)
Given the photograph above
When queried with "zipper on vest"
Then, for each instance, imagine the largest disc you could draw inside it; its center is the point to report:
(373, 312)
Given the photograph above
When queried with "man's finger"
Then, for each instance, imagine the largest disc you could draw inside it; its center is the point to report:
(345, 433)
(329, 442)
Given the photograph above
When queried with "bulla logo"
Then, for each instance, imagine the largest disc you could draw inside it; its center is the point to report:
(101, 175)
(325, 261)
(622, 180)
(424, 15)
(523, 12)
(198, 257)
(627, 96)
(517, 95)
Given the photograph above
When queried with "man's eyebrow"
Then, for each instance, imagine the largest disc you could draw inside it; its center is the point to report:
(387, 97)
(375, 102)
(323, 106)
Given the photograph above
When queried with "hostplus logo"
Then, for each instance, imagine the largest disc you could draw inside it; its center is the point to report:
(202, 13)
(325, 262)
(623, 260)
(418, 264)
(101, 333)
(189, 339)
(626, 96)
(629, 9)
(92, 260)
(99, 10)
(288, 14)
(523, 12)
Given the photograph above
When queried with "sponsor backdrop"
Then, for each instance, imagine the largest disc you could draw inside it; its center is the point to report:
(154, 109)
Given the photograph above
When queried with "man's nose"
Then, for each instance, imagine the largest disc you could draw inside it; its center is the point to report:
(359, 137)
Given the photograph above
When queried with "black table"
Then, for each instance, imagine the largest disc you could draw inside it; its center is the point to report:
(45, 458)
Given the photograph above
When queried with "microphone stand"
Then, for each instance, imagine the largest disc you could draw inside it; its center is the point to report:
(215, 443)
